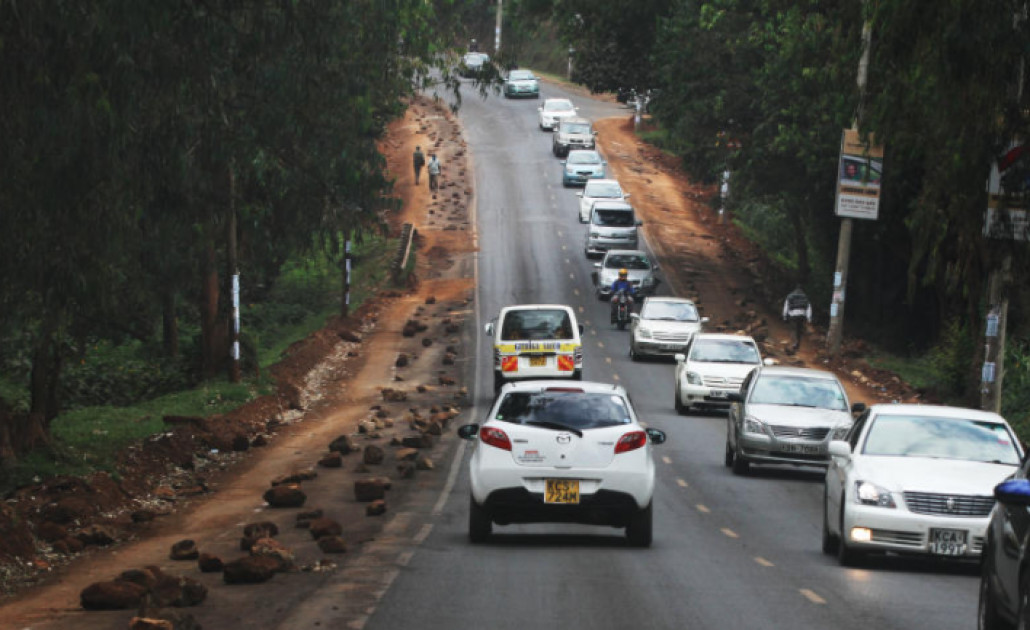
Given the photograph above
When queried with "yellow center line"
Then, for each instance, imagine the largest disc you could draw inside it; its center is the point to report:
(600, 344)
(576, 291)
(560, 234)
(729, 532)
(762, 561)
(615, 377)
(563, 248)
(581, 309)
(702, 508)
(607, 359)
(665, 458)
(568, 262)
(812, 596)
(572, 276)
(682, 483)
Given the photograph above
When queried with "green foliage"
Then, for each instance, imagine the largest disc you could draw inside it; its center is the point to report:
(943, 371)
(1015, 400)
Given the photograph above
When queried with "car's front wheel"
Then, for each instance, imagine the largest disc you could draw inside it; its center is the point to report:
(830, 541)
(741, 466)
(681, 409)
(639, 529)
(987, 617)
(480, 524)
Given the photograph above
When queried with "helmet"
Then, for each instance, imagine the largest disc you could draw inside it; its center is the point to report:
(623, 273)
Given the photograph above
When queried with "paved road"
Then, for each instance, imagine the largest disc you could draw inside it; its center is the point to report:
(729, 552)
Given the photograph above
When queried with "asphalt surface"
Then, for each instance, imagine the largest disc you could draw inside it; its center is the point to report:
(729, 552)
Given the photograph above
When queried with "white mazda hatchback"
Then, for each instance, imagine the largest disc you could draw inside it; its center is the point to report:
(556, 452)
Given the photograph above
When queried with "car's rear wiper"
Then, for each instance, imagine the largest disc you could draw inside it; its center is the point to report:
(557, 427)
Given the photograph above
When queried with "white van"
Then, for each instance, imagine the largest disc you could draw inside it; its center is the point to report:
(534, 341)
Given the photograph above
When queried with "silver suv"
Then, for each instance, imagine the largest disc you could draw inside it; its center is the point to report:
(613, 225)
(572, 133)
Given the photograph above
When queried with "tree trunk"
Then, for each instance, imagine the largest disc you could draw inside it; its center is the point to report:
(211, 352)
(169, 323)
(801, 242)
(46, 367)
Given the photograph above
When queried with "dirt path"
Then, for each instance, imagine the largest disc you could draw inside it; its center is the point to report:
(727, 276)
(424, 325)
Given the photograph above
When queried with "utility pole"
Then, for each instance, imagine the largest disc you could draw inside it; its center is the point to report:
(234, 271)
(497, 28)
(994, 337)
(840, 276)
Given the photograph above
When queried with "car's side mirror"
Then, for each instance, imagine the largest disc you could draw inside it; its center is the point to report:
(840, 448)
(597, 265)
(704, 320)
(1013, 492)
(656, 436)
(635, 316)
(680, 358)
(561, 161)
(489, 329)
(768, 361)
(468, 431)
(539, 109)
(580, 195)
(858, 407)
(626, 196)
(582, 220)
(639, 222)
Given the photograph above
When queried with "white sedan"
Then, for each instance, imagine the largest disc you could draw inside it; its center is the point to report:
(553, 452)
(712, 368)
(598, 190)
(915, 479)
(553, 110)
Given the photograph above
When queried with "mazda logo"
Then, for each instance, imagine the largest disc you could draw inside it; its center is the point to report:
(564, 438)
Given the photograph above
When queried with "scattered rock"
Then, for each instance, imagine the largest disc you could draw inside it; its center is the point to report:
(407, 454)
(367, 490)
(325, 527)
(51, 532)
(401, 361)
(448, 359)
(296, 477)
(286, 496)
(376, 508)
(250, 570)
(426, 342)
(332, 544)
(208, 563)
(446, 380)
(240, 443)
(394, 395)
(272, 548)
(98, 535)
(332, 460)
(422, 440)
(350, 335)
(143, 516)
(112, 595)
(263, 529)
(406, 470)
(343, 445)
(431, 299)
(148, 623)
(373, 455)
(259, 441)
(184, 550)
(424, 463)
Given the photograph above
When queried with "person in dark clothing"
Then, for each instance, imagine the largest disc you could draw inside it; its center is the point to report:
(622, 283)
(418, 161)
(797, 309)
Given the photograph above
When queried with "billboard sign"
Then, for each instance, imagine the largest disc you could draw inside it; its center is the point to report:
(859, 173)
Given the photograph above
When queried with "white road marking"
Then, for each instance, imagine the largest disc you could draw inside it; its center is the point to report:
(682, 483)
(405, 558)
(729, 532)
(600, 344)
(762, 561)
(452, 475)
(576, 291)
(666, 459)
(702, 508)
(423, 533)
(812, 596)
(615, 377)
(608, 360)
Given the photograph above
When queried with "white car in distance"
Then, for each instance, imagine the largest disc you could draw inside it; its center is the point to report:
(560, 452)
(553, 110)
(916, 479)
(663, 327)
(598, 190)
(712, 367)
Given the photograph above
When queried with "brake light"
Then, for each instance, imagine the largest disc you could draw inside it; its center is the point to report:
(510, 363)
(576, 390)
(630, 442)
(495, 437)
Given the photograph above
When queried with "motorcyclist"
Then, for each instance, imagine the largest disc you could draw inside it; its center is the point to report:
(621, 284)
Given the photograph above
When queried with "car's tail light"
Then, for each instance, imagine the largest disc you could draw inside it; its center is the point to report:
(510, 363)
(575, 390)
(630, 442)
(566, 363)
(495, 437)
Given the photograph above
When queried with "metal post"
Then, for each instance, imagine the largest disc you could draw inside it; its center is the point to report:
(571, 52)
(345, 305)
(840, 277)
(994, 338)
(497, 28)
(234, 364)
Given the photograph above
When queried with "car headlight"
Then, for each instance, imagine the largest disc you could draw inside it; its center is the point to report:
(868, 493)
(841, 432)
(644, 333)
(753, 425)
(694, 378)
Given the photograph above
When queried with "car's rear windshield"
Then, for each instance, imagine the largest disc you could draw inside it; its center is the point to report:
(614, 218)
(669, 311)
(602, 190)
(798, 391)
(575, 128)
(557, 106)
(941, 438)
(520, 75)
(626, 261)
(586, 157)
(576, 410)
(536, 324)
(724, 351)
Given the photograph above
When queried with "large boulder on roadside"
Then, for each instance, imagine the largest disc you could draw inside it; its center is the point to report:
(272, 548)
(321, 527)
(184, 550)
(98, 535)
(112, 595)
(250, 570)
(264, 529)
(332, 544)
(367, 490)
(295, 477)
(285, 496)
(343, 445)
(176, 590)
(332, 460)
(208, 563)
(373, 455)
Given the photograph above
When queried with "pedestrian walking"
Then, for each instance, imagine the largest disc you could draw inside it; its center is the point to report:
(434, 172)
(797, 309)
(418, 160)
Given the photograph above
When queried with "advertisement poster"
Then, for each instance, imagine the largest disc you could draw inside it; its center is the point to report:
(1006, 217)
(858, 177)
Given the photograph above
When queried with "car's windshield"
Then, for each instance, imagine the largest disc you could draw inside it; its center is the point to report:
(941, 438)
(584, 157)
(520, 75)
(724, 351)
(627, 261)
(577, 410)
(575, 128)
(670, 311)
(602, 190)
(800, 391)
(613, 218)
(557, 106)
(540, 324)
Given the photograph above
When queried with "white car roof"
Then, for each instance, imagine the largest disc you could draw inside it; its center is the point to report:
(590, 387)
(669, 299)
(604, 182)
(611, 204)
(537, 307)
(786, 370)
(627, 252)
(936, 411)
(725, 336)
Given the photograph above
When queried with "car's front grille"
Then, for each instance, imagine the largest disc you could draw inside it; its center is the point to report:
(679, 337)
(801, 433)
(949, 504)
(977, 544)
(722, 381)
(892, 537)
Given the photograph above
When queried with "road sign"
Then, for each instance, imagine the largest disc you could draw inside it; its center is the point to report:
(859, 173)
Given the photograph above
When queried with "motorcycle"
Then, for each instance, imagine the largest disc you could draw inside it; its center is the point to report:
(622, 305)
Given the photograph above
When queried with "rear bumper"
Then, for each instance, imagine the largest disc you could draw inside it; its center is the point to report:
(518, 505)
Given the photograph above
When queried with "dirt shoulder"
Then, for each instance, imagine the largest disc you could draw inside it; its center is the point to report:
(732, 281)
(362, 411)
